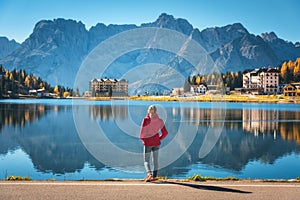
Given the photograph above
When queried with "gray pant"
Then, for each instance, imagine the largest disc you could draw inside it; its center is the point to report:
(147, 155)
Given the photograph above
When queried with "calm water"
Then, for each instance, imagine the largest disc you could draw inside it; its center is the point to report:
(75, 140)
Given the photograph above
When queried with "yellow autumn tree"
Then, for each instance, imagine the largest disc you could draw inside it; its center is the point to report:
(66, 94)
(7, 74)
(23, 74)
(283, 69)
(27, 81)
(35, 85)
(297, 70)
(290, 65)
(11, 77)
(198, 80)
(56, 90)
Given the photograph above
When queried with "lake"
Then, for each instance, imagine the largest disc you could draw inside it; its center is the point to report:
(67, 139)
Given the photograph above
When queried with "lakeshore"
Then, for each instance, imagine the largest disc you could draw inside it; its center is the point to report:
(209, 98)
(135, 189)
(201, 98)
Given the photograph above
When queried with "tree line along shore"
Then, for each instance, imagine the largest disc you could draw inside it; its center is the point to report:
(20, 84)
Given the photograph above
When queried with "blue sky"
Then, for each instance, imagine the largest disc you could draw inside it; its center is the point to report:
(18, 17)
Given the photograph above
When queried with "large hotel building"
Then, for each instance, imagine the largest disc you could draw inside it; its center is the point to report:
(109, 87)
(261, 81)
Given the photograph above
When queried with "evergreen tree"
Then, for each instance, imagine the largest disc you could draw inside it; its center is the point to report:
(193, 80)
(187, 86)
(109, 91)
(288, 76)
(77, 92)
(2, 71)
(1, 85)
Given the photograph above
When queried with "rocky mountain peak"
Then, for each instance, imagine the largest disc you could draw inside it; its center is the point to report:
(7, 46)
(101, 32)
(168, 21)
(283, 49)
(269, 36)
(49, 35)
(45, 29)
(213, 38)
(236, 27)
(56, 48)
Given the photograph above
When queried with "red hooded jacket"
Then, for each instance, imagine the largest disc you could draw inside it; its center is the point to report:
(150, 128)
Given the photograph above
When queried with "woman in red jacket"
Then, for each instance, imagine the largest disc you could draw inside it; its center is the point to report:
(149, 134)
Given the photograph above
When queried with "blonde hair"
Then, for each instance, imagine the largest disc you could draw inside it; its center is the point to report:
(152, 110)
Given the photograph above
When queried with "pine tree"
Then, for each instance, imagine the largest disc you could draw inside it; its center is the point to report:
(194, 80)
(2, 70)
(187, 86)
(1, 85)
(77, 92)
(288, 77)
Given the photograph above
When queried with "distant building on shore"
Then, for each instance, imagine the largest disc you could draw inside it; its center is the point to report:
(261, 81)
(177, 91)
(198, 89)
(105, 87)
(292, 89)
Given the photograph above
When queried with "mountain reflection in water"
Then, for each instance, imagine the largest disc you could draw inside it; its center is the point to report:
(47, 133)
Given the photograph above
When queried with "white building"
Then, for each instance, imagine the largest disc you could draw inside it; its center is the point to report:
(198, 89)
(177, 91)
(261, 81)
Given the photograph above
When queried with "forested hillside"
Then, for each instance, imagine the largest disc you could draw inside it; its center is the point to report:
(16, 82)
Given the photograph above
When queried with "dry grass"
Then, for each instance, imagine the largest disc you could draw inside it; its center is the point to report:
(18, 178)
(223, 98)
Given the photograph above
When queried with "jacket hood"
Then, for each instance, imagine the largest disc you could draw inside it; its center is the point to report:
(155, 116)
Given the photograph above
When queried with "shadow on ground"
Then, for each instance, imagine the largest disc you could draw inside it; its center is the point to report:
(207, 187)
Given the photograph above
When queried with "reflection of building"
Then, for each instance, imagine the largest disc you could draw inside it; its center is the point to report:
(109, 112)
(260, 81)
(260, 121)
(109, 87)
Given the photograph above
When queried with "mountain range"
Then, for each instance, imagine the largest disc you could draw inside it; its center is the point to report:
(7, 46)
(56, 49)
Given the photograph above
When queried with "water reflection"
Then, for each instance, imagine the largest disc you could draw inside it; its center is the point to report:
(19, 114)
(108, 112)
(48, 135)
(283, 123)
